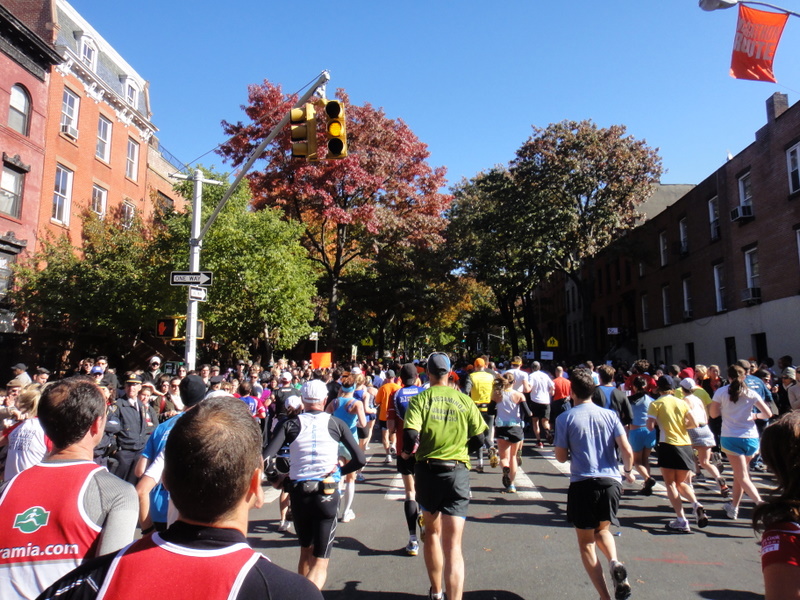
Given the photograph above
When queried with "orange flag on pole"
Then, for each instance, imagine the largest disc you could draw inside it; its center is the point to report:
(757, 35)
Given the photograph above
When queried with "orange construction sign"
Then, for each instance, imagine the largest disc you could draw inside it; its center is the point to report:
(757, 35)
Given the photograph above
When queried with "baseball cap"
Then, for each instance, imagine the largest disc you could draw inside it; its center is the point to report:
(391, 375)
(96, 370)
(20, 366)
(293, 402)
(408, 373)
(355, 371)
(687, 383)
(479, 363)
(134, 378)
(286, 376)
(439, 364)
(314, 391)
(155, 359)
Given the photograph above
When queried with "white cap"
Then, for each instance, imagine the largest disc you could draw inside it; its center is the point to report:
(355, 371)
(286, 376)
(688, 383)
(293, 402)
(314, 391)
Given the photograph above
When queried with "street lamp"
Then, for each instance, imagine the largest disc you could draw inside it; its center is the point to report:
(710, 5)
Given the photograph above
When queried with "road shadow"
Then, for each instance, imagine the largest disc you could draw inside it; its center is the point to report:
(351, 591)
(354, 545)
(729, 595)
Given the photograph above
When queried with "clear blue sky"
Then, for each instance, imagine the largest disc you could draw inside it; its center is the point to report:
(469, 77)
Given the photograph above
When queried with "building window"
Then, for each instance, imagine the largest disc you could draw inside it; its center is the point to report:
(683, 231)
(713, 217)
(19, 110)
(99, 200)
(88, 52)
(745, 191)
(667, 308)
(687, 298)
(645, 313)
(797, 235)
(719, 288)
(11, 186)
(751, 268)
(70, 104)
(62, 195)
(103, 149)
(663, 250)
(132, 164)
(128, 214)
(793, 168)
(131, 93)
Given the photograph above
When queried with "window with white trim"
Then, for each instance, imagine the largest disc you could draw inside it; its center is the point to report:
(128, 214)
(745, 190)
(751, 268)
(713, 217)
(99, 200)
(88, 52)
(687, 298)
(70, 105)
(62, 195)
(19, 109)
(793, 168)
(666, 306)
(132, 160)
(103, 148)
(645, 313)
(11, 186)
(663, 248)
(719, 288)
(131, 93)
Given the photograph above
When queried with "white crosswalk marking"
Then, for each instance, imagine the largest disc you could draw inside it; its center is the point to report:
(396, 490)
(525, 487)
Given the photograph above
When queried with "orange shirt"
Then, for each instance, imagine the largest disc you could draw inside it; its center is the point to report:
(382, 397)
(562, 388)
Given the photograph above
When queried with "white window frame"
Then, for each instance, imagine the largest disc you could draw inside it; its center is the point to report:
(645, 313)
(131, 92)
(132, 160)
(99, 200)
(12, 184)
(104, 132)
(683, 233)
(751, 268)
(663, 248)
(687, 296)
(713, 218)
(19, 105)
(666, 306)
(128, 214)
(793, 168)
(719, 287)
(745, 190)
(62, 195)
(89, 52)
(70, 108)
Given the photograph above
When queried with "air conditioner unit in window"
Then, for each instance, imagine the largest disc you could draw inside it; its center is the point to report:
(69, 131)
(751, 295)
(743, 211)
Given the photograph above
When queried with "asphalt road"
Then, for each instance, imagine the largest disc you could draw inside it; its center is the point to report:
(520, 546)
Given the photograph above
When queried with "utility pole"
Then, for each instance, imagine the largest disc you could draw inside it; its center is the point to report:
(198, 232)
(195, 244)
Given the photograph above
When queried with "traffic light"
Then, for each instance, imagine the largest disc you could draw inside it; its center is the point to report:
(304, 132)
(336, 130)
(167, 328)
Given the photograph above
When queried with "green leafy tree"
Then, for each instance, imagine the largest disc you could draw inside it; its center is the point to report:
(579, 187)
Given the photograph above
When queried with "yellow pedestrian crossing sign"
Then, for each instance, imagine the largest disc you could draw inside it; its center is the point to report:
(367, 341)
(552, 343)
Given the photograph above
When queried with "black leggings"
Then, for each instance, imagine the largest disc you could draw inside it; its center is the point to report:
(315, 519)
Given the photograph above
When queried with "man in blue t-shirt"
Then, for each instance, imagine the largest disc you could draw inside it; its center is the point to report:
(586, 435)
(153, 496)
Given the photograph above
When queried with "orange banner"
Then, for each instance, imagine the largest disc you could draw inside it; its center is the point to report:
(757, 35)
(320, 360)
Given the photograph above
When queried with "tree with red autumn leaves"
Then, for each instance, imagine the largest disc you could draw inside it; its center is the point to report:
(382, 197)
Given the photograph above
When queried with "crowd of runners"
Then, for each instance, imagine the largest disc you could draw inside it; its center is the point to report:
(88, 460)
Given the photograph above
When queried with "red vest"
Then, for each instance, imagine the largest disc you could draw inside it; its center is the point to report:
(153, 568)
(44, 531)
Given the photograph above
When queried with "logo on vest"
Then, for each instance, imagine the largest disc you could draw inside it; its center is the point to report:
(31, 520)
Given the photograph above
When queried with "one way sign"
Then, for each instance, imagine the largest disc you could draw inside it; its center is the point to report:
(191, 277)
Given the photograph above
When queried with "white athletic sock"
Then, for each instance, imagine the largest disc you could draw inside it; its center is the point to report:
(349, 493)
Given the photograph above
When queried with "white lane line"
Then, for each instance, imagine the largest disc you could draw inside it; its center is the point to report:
(525, 487)
(396, 490)
(271, 494)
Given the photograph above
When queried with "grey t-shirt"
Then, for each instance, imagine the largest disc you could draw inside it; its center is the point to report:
(588, 432)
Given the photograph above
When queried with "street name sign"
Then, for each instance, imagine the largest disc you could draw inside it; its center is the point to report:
(191, 278)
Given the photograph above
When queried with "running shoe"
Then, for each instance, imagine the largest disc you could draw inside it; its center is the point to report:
(285, 526)
(439, 596)
(360, 477)
(619, 575)
(716, 460)
(412, 549)
(724, 490)
(730, 511)
(479, 469)
(510, 489)
(388, 459)
(647, 489)
(393, 451)
(539, 444)
(550, 438)
(506, 477)
(700, 516)
(494, 460)
(348, 515)
(679, 526)
(421, 524)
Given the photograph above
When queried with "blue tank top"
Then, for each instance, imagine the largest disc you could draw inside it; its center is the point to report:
(639, 411)
(350, 419)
